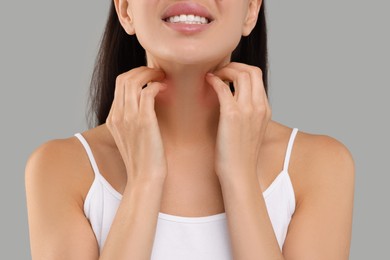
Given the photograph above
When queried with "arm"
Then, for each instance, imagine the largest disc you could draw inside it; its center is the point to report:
(321, 225)
(58, 226)
(250, 227)
(133, 230)
(243, 120)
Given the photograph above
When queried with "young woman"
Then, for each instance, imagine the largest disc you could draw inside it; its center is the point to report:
(185, 161)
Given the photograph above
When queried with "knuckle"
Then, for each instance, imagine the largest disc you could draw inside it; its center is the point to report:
(257, 70)
(261, 110)
(130, 79)
(119, 80)
(244, 75)
(148, 92)
(136, 82)
(127, 79)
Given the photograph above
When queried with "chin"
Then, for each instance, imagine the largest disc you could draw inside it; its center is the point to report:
(188, 51)
(192, 60)
(193, 56)
(188, 54)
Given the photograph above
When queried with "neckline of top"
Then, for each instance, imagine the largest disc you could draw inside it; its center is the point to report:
(185, 219)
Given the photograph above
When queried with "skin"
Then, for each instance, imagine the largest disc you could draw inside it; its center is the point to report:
(192, 131)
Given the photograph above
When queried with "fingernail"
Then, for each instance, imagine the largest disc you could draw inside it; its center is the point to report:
(209, 74)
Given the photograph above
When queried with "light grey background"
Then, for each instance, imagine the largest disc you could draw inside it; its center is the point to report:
(329, 74)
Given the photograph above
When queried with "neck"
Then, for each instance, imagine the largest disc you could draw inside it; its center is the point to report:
(188, 110)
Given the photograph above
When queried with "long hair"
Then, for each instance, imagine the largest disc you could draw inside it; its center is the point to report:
(120, 52)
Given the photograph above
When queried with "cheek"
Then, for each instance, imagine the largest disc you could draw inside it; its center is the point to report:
(143, 22)
(226, 38)
(229, 30)
(147, 33)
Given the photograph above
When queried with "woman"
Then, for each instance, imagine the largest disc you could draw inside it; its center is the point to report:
(182, 165)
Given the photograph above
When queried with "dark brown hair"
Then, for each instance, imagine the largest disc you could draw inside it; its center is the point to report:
(120, 52)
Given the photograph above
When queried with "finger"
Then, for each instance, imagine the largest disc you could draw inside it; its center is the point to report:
(147, 99)
(119, 97)
(134, 83)
(224, 94)
(120, 85)
(242, 83)
(259, 96)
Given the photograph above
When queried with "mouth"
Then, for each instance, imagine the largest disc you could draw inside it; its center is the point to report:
(187, 19)
(187, 13)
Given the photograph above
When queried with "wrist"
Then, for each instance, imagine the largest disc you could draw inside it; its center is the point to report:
(240, 189)
(237, 174)
(146, 183)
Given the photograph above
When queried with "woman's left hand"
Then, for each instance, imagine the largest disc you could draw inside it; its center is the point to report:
(243, 119)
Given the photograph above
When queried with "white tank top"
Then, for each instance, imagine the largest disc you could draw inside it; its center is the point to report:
(189, 238)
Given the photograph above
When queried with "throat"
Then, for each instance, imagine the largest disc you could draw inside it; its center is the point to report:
(187, 115)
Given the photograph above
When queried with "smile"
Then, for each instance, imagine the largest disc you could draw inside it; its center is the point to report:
(187, 19)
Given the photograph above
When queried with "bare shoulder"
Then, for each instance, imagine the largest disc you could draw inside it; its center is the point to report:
(64, 163)
(321, 161)
(323, 153)
(59, 166)
(325, 146)
(316, 160)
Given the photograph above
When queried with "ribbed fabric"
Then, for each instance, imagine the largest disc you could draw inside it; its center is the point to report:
(189, 238)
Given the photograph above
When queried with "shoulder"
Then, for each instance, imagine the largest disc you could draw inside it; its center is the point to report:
(323, 153)
(58, 168)
(313, 146)
(53, 152)
(57, 178)
(321, 163)
(316, 161)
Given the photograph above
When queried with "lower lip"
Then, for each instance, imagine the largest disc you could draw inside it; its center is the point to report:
(187, 28)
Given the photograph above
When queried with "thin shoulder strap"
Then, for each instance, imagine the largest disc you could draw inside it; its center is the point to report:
(89, 153)
(289, 148)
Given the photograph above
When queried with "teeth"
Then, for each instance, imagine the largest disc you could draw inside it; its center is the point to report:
(188, 19)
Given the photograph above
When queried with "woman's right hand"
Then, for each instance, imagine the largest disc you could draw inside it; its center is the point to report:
(133, 124)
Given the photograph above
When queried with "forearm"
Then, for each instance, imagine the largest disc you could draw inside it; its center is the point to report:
(133, 230)
(250, 227)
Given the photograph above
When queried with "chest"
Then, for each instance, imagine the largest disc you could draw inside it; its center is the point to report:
(192, 187)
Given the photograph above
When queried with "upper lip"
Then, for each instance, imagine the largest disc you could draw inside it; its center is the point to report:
(187, 8)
